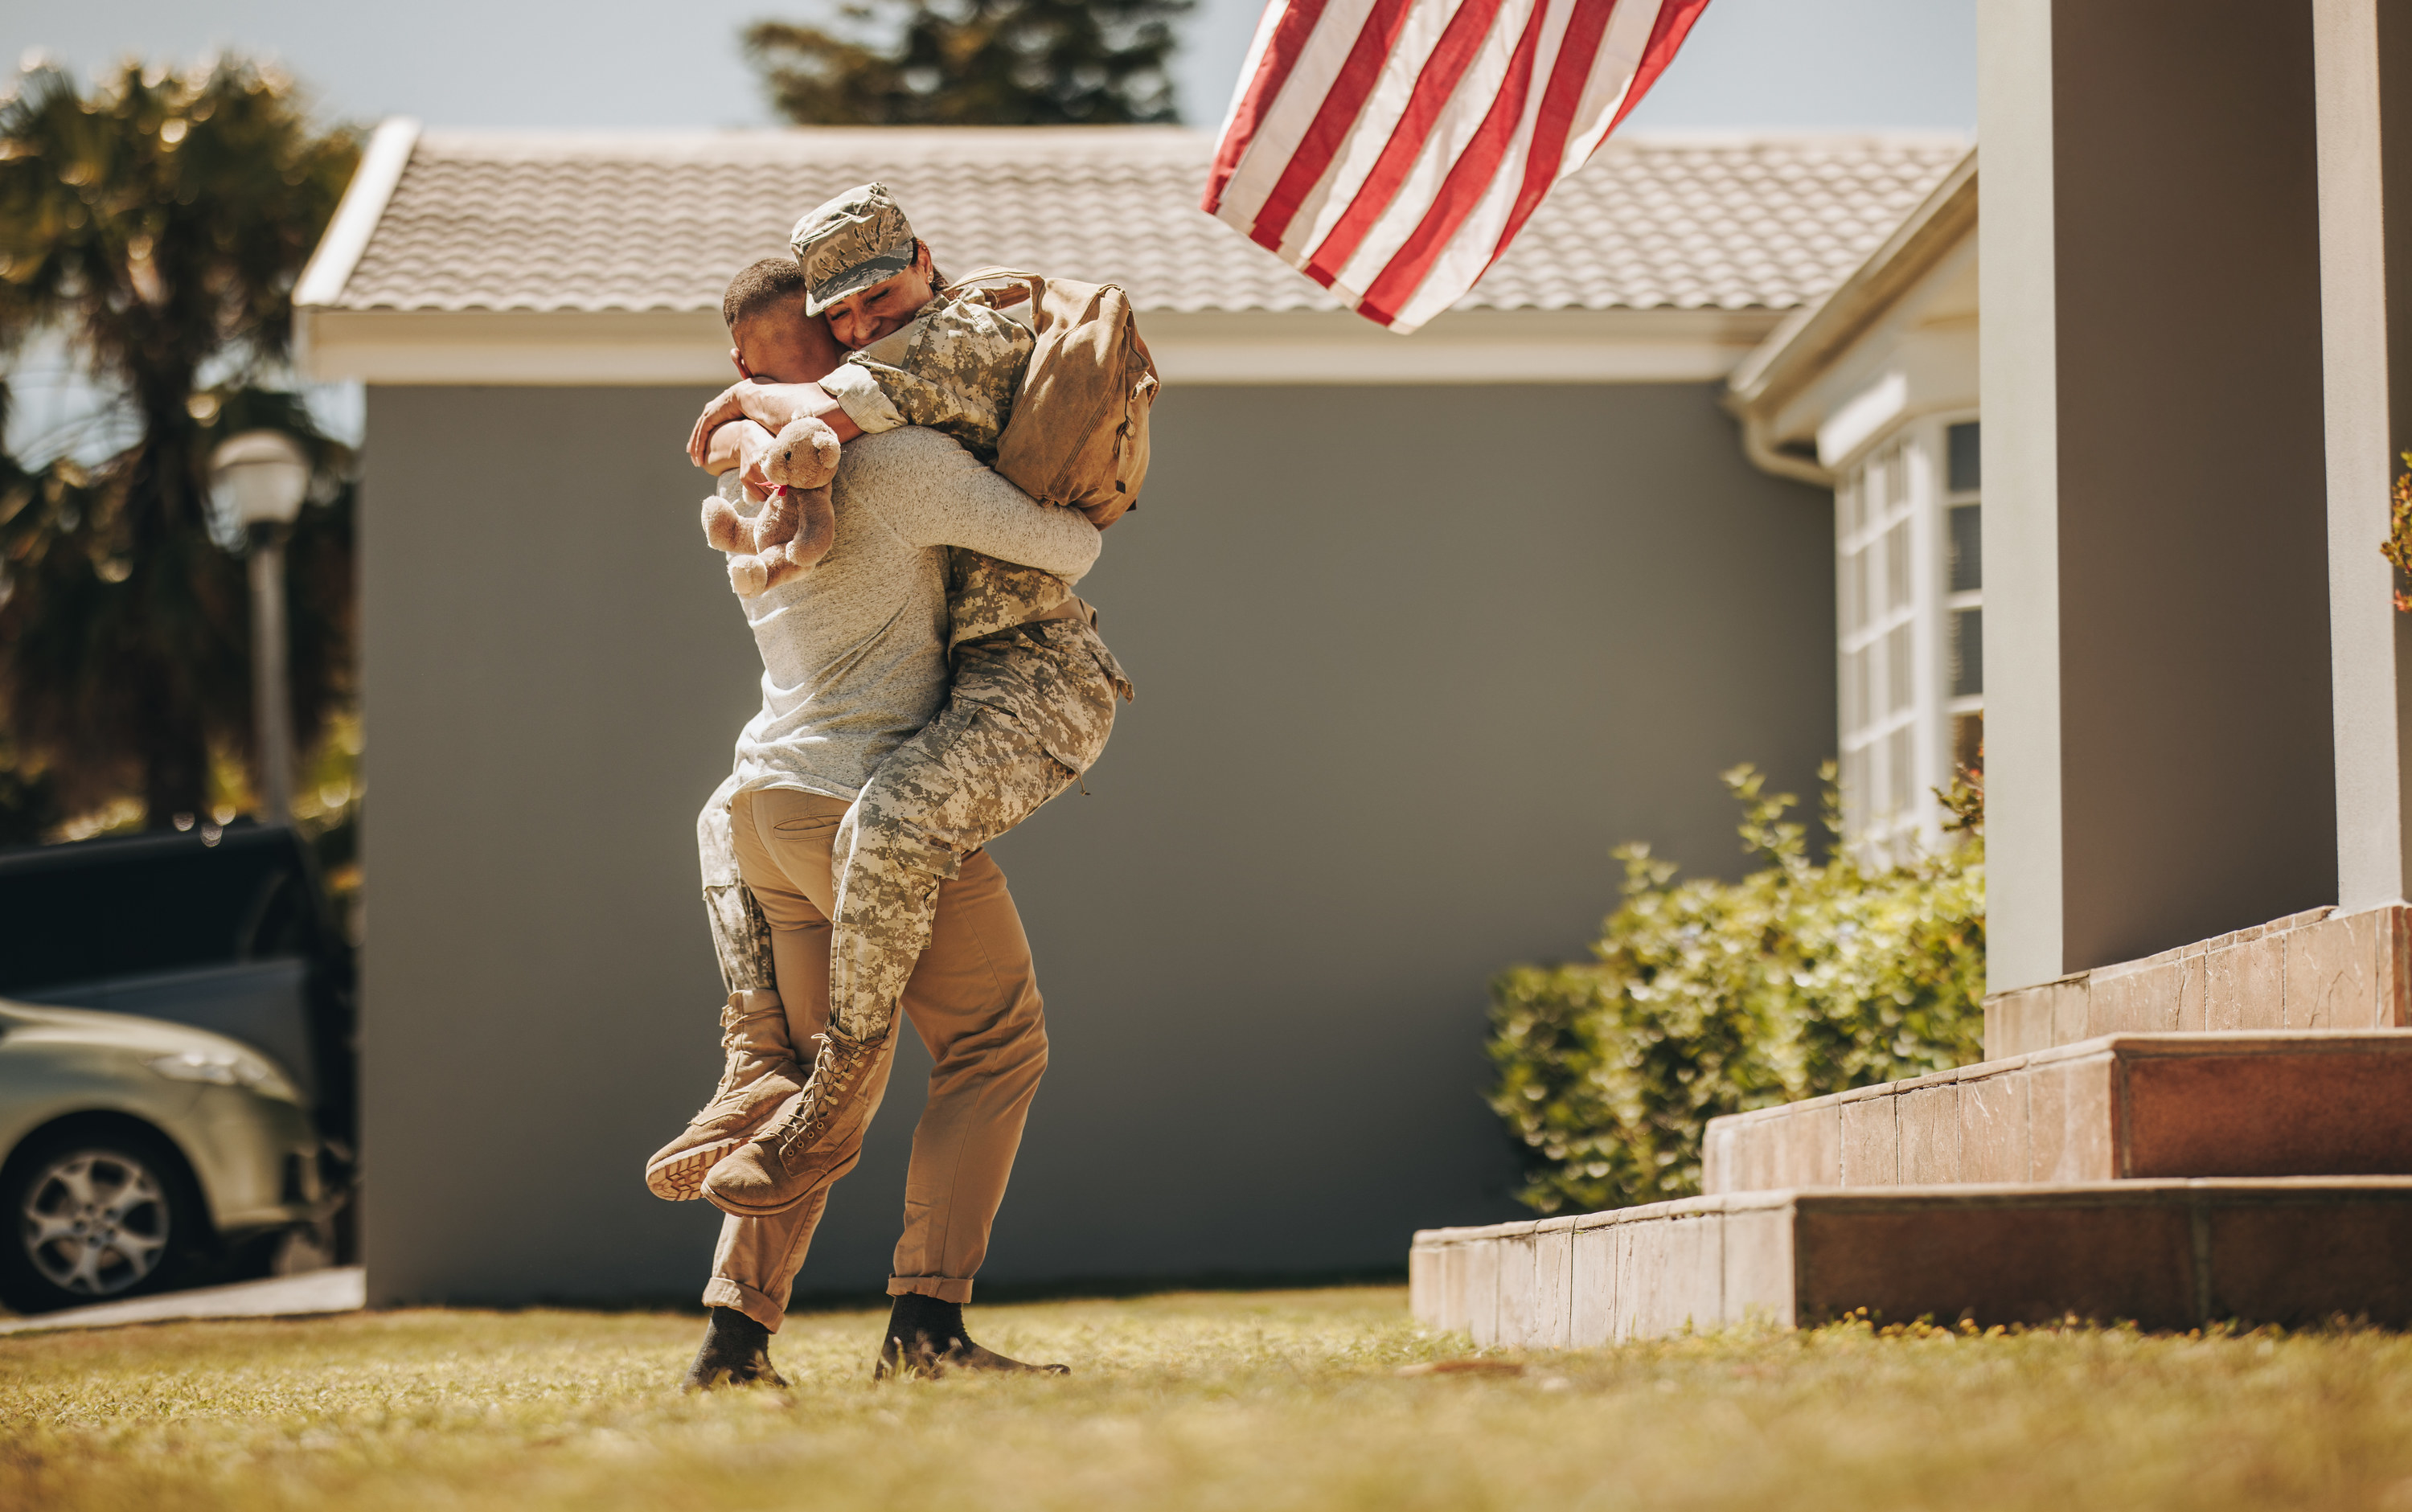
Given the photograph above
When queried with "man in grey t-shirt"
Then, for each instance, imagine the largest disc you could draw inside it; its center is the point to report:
(854, 666)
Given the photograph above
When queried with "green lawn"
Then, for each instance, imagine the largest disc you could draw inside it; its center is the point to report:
(1237, 1402)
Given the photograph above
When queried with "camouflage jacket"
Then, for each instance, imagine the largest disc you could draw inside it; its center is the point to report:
(955, 368)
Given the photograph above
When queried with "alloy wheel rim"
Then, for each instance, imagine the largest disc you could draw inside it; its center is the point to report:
(95, 1223)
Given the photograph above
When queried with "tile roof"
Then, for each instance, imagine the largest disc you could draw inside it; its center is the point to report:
(518, 221)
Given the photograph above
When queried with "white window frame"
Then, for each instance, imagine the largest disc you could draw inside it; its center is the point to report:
(1895, 758)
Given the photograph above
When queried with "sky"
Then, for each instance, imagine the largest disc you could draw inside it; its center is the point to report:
(640, 63)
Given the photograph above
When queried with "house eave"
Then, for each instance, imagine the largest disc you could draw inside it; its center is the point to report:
(594, 348)
(1804, 343)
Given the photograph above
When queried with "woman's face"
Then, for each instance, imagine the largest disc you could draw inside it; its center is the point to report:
(862, 319)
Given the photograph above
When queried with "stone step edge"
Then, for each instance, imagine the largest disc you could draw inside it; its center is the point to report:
(1718, 1261)
(2319, 969)
(1725, 1133)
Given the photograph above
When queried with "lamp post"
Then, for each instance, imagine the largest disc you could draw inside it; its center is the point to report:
(259, 478)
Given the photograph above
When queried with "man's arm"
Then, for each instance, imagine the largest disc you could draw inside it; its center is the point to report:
(771, 406)
(945, 498)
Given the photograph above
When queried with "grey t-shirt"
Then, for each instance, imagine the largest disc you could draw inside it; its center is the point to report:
(854, 651)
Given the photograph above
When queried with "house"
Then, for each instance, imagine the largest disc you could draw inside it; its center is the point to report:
(1421, 628)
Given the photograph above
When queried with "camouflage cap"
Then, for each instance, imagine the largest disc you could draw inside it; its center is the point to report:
(856, 240)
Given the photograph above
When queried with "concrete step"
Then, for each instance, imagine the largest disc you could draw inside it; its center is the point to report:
(2118, 1107)
(2162, 1253)
(2316, 970)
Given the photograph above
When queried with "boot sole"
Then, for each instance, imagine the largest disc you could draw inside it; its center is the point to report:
(679, 1178)
(772, 1209)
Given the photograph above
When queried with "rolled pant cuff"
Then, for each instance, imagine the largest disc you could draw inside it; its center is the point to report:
(722, 1292)
(945, 1288)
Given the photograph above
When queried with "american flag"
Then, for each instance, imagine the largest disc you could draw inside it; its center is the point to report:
(1391, 149)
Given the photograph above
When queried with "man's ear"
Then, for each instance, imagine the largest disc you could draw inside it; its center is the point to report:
(739, 358)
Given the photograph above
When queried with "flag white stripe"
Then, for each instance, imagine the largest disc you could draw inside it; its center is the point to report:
(1288, 117)
(1469, 250)
(1370, 132)
(1267, 25)
(1619, 56)
(1449, 136)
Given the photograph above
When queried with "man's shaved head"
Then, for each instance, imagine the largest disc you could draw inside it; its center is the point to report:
(761, 288)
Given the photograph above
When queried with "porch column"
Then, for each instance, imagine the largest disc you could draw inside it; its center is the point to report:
(2363, 53)
(2159, 758)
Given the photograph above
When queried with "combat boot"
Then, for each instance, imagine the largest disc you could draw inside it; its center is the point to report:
(797, 1153)
(926, 1338)
(761, 1075)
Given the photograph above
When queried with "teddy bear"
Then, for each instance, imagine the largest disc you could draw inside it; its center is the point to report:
(795, 526)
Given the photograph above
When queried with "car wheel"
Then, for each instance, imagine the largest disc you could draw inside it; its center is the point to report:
(95, 1218)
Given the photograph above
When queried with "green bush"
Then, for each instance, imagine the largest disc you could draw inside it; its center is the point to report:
(1708, 997)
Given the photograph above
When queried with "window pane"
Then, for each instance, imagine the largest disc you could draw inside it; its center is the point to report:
(1846, 506)
(1967, 548)
(1852, 719)
(1964, 464)
(1899, 771)
(1967, 653)
(1896, 541)
(1897, 671)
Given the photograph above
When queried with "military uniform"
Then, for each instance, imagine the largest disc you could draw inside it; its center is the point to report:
(1033, 687)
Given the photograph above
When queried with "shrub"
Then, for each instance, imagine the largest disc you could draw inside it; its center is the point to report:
(1708, 997)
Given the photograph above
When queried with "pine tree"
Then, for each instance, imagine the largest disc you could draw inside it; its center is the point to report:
(974, 63)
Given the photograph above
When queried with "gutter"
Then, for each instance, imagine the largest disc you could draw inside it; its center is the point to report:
(1794, 353)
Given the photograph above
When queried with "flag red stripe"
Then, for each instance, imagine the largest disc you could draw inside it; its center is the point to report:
(1459, 42)
(1321, 143)
(1289, 39)
(1578, 55)
(1675, 18)
(1463, 189)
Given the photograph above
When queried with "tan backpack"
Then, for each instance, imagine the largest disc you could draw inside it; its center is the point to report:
(1078, 434)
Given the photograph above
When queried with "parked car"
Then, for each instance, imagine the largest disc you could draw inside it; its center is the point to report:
(141, 1155)
(227, 932)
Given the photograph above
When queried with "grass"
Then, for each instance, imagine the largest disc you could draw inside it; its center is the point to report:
(1223, 1402)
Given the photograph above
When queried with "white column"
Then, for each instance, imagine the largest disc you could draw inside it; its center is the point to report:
(2019, 371)
(2364, 78)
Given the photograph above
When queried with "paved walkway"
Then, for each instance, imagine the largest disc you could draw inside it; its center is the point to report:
(343, 1289)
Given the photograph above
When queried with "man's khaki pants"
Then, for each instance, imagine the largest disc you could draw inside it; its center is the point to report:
(973, 1000)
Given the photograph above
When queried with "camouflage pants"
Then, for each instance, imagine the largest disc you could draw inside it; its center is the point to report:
(1030, 710)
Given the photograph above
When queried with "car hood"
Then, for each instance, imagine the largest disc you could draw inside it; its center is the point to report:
(25, 1024)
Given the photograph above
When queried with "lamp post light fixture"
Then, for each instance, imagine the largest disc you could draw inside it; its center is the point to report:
(257, 479)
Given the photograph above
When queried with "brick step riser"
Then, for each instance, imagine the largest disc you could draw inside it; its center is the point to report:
(2124, 1107)
(2162, 1254)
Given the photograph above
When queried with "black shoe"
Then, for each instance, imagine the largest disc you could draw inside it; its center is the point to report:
(735, 1352)
(926, 1338)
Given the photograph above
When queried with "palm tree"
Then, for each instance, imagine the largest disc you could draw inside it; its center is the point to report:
(156, 226)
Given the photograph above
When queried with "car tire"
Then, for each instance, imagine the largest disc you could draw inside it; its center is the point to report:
(89, 1217)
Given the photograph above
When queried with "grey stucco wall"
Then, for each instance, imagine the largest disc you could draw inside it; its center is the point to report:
(1399, 692)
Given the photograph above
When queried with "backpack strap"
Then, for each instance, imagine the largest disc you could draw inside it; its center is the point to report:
(1029, 282)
